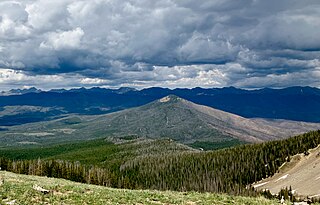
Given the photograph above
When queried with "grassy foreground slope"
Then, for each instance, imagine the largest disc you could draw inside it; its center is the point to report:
(19, 188)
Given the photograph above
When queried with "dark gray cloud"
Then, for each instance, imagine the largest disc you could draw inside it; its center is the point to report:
(171, 43)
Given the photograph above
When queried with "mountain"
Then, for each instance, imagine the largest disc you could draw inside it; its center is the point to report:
(20, 91)
(16, 115)
(294, 103)
(187, 122)
(300, 173)
(169, 117)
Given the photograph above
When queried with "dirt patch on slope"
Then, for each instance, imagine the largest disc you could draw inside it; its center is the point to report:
(302, 173)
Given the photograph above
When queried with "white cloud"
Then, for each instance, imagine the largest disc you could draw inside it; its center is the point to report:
(200, 47)
(64, 40)
(289, 29)
(21, 79)
(93, 81)
(47, 15)
(13, 20)
(281, 80)
(165, 42)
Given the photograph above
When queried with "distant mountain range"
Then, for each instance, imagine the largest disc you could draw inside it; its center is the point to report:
(20, 91)
(293, 103)
(169, 117)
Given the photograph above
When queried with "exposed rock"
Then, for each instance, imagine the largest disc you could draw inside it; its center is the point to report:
(40, 189)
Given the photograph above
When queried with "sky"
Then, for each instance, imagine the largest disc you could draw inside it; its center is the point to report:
(164, 43)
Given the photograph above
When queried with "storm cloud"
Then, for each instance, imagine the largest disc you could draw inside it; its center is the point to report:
(169, 43)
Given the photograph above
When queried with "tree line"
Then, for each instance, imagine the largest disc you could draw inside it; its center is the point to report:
(224, 171)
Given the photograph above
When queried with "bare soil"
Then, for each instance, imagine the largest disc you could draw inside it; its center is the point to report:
(302, 173)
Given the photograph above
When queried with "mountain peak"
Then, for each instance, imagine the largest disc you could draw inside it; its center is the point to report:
(124, 90)
(20, 91)
(170, 98)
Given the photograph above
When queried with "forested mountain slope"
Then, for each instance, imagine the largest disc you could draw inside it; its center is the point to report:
(229, 170)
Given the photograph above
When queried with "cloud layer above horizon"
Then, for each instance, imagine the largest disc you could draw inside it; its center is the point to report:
(169, 43)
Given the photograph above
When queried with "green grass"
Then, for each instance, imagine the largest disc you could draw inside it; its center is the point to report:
(19, 188)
